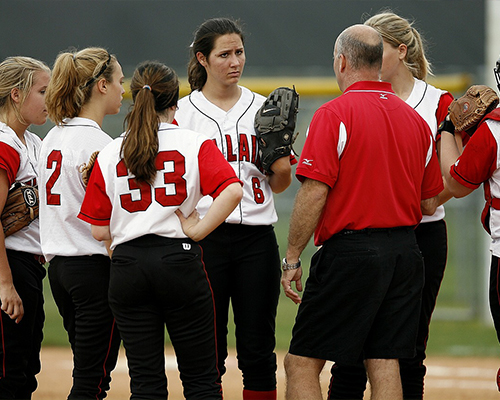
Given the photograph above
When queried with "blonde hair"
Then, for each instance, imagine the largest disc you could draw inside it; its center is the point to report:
(155, 88)
(73, 77)
(396, 30)
(17, 72)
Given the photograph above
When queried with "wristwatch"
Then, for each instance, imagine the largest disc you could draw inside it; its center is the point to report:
(285, 266)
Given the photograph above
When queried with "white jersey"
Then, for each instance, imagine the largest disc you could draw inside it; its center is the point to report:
(65, 148)
(425, 99)
(234, 133)
(189, 167)
(20, 163)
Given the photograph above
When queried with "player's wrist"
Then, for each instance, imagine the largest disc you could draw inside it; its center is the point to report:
(447, 126)
(286, 266)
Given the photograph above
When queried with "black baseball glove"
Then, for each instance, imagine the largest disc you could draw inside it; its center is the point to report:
(275, 126)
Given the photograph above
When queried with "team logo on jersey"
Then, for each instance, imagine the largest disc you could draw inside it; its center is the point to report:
(186, 246)
(383, 96)
(307, 161)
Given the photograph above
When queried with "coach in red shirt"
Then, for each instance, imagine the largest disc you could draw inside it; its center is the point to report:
(368, 171)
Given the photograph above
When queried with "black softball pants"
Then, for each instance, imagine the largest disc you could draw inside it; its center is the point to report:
(349, 382)
(80, 286)
(244, 268)
(21, 343)
(158, 282)
(494, 293)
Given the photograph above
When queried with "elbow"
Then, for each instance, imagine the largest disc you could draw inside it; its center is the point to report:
(236, 193)
(429, 206)
(458, 194)
(428, 210)
(100, 233)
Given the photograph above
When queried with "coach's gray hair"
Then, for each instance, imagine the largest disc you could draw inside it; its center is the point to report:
(358, 50)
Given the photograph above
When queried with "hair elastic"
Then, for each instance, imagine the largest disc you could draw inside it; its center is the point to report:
(147, 87)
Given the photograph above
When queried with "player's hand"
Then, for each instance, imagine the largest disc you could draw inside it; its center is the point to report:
(286, 281)
(189, 224)
(12, 305)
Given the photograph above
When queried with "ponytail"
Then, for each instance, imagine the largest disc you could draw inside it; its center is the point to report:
(74, 76)
(397, 30)
(155, 88)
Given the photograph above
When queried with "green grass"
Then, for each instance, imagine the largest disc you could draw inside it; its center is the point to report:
(468, 337)
(450, 338)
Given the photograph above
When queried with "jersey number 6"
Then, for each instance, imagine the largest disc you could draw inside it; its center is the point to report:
(172, 177)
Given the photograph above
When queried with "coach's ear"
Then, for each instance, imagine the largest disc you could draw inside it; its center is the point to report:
(342, 62)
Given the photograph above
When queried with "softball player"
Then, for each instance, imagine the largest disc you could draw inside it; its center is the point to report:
(464, 172)
(142, 195)
(242, 254)
(406, 67)
(85, 86)
(23, 82)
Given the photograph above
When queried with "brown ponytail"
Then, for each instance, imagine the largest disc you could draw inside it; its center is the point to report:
(155, 88)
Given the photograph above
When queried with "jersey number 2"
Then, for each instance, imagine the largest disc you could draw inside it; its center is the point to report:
(55, 156)
(172, 177)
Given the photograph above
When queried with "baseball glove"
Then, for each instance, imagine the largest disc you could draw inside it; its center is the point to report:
(21, 208)
(467, 111)
(86, 169)
(275, 125)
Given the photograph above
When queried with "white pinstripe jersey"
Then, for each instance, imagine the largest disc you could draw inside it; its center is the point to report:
(425, 99)
(64, 150)
(234, 133)
(20, 162)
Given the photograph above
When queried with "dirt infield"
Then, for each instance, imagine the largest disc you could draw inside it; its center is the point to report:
(447, 378)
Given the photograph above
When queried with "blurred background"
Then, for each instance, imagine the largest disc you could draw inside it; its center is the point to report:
(290, 42)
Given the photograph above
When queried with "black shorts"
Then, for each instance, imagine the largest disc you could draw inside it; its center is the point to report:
(362, 298)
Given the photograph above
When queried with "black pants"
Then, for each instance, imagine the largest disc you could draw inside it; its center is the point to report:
(494, 293)
(349, 382)
(244, 268)
(80, 289)
(21, 343)
(155, 283)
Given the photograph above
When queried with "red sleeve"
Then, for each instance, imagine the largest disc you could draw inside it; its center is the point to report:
(215, 172)
(432, 184)
(442, 110)
(478, 160)
(9, 161)
(96, 207)
(319, 158)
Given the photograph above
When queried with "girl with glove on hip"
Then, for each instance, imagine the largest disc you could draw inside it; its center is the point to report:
(23, 82)
(241, 255)
(406, 68)
(86, 86)
(142, 195)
